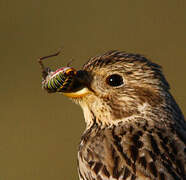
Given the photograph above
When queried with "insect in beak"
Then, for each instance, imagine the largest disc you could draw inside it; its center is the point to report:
(60, 80)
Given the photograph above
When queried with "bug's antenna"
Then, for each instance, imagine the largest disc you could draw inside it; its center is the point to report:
(45, 71)
(46, 57)
(70, 62)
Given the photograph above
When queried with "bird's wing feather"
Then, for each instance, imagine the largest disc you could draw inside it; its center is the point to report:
(131, 153)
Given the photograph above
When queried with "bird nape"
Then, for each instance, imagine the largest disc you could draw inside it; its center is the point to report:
(134, 127)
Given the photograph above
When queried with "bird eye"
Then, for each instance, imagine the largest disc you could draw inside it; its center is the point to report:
(114, 80)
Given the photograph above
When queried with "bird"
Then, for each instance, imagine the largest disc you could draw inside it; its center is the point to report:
(134, 127)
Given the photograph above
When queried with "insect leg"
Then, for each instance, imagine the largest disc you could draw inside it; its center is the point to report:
(46, 70)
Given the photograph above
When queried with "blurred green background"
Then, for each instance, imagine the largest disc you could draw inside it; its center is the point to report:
(40, 132)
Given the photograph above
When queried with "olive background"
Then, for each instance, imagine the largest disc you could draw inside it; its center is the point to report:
(40, 132)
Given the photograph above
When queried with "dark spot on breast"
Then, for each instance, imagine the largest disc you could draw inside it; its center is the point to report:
(116, 173)
(134, 152)
(164, 139)
(97, 167)
(131, 129)
(126, 173)
(164, 147)
(136, 141)
(152, 168)
(119, 147)
(123, 133)
(164, 157)
(171, 155)
(105, 171)
(150, 130)
(90, 163)
(162, 176)
(154, 145)
(143, 162)
(170, 170)
(144, 128)
(133, 177)
(139, 133)
(152, 155)
(135, 138)
(173, 147)
(139, 144)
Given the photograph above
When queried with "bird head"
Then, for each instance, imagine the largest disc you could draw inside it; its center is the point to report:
(117, 86)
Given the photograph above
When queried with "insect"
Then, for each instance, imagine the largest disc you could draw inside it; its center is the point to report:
(60, 80)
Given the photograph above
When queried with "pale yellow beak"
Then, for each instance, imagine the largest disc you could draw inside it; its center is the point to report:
(78, 94)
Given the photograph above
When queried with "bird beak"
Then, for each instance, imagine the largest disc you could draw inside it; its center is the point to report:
(78, 94)
(79, 85)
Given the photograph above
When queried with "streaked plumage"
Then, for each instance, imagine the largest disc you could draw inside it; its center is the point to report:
(135, 130)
